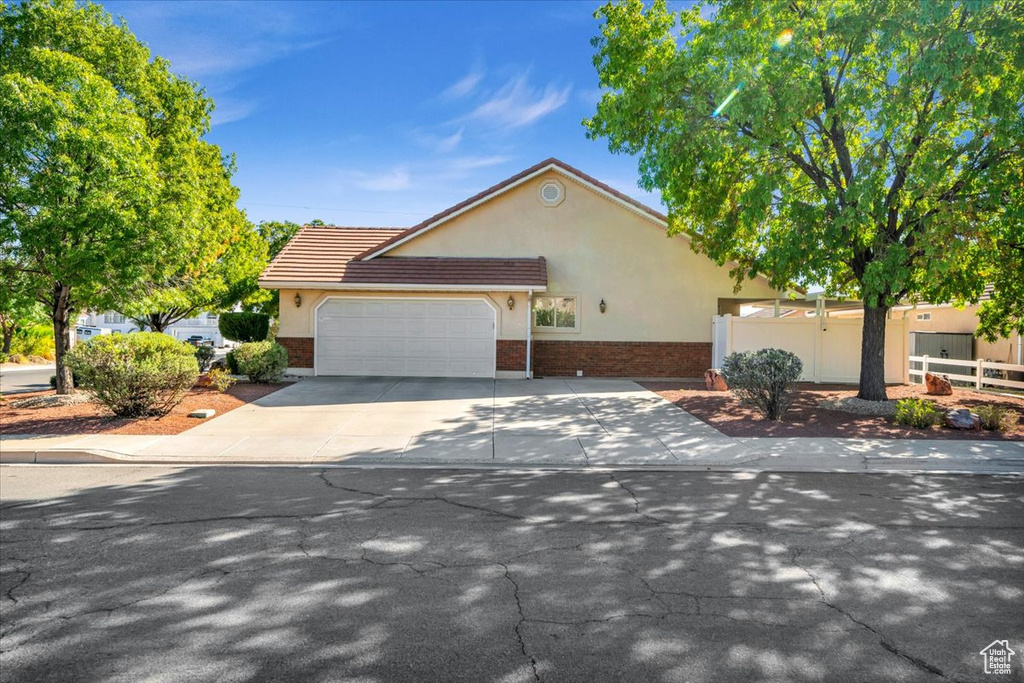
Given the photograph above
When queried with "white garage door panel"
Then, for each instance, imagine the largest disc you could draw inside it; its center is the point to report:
(405, 337)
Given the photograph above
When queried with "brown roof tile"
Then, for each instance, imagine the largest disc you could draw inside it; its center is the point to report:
(324, 255)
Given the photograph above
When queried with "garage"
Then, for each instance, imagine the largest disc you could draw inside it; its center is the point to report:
(415, 337)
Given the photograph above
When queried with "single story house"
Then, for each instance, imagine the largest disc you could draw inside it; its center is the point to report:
(202, 323)
(548, 273)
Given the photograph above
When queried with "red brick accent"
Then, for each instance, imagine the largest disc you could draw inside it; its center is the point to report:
(555, 358)
(300, 351)
(512, 354)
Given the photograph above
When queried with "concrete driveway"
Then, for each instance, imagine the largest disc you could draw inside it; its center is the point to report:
(584, 422)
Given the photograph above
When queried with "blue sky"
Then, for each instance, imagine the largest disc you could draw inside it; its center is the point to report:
(385, 113)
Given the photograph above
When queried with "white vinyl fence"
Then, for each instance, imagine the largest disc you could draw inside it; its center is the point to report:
(980, 373)
(828, 347)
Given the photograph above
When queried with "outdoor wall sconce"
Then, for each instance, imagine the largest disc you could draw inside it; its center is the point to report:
(298, 299)
(603, 306)
(511, 303)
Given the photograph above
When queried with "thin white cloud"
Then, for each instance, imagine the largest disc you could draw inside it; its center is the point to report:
(448, 144)
(398, 178)
(464, 85)
(228, 110)
(473, 163)
(517, 103)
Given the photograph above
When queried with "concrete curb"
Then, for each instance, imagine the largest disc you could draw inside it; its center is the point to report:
(874, 465)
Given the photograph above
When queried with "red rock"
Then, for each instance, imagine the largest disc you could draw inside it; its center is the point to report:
(937, 385)
(713, 381)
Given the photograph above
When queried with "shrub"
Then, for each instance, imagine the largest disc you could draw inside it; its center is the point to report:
(3, 357)
(135, 375)
(762, 379)
(917, 412)
(232, 362)
(262, 362)
(221, 380)
(996, 418)
(53, 381)
(33, 340)
(244, 327)
(204, 356)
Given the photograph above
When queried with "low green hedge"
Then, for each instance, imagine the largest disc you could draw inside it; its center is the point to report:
(263, 362)
(135, 375)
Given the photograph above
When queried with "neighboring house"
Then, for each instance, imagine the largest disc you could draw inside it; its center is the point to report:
(947, 319)
(204, 324)
(550, 270)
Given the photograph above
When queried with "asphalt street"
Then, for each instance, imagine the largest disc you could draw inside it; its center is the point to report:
(27, 379)
(121, 573)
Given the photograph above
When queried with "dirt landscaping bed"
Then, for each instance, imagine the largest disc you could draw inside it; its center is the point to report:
(93, 418)
(723, 412)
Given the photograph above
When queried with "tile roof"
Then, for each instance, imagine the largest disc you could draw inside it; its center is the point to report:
(325, 255)
(657, 215)
(321, 253)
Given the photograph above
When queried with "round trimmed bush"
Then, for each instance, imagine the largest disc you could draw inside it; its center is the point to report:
(135, 375)
(762, 379)
(263, 362)
(244, 326)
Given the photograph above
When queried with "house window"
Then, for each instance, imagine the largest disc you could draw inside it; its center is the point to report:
(113, 319)
(924, 316)
(554, 312)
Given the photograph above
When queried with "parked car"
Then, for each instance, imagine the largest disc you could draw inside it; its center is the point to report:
(85, 333)
(199, 340)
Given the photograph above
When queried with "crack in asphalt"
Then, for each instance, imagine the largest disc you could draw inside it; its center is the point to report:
(519, 624)
(636, 501)
(386, 498)
(25, 576)
(883, 640)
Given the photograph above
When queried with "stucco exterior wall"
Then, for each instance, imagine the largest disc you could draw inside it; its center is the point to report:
(655, 287)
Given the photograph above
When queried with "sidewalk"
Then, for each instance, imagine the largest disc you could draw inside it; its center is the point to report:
(717, 453)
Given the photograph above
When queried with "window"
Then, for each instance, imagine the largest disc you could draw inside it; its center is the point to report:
(113, 318)
(554, 312)
(924, 316)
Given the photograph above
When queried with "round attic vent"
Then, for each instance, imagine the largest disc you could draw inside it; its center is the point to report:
(552, 193)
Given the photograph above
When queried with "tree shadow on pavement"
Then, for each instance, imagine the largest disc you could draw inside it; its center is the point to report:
(246, 574)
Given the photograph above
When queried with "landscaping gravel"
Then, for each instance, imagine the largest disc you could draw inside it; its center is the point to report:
(859, 406)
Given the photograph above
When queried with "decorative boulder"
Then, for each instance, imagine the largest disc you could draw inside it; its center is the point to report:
(713, 381)
(962, 419)
(937, 385)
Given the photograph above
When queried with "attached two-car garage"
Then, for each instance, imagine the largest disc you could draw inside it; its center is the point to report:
(413, 337)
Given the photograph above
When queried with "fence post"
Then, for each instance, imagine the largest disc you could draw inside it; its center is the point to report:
(924, 367)
(981, 373)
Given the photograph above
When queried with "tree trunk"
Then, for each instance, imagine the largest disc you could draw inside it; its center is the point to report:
(61, 315)
(8, 336)
(872, 354)
(157, 322)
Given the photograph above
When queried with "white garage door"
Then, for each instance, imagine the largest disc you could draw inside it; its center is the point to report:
(405, 337)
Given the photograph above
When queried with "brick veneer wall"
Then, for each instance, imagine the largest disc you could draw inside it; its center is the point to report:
(555, 358)
(300, 351)
(512, 354)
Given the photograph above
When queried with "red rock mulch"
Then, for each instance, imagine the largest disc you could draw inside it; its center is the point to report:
(723, 412)
(93, 418)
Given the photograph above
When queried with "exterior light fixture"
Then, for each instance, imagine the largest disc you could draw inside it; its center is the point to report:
(603, 306)
(511, 303)
(298, 299)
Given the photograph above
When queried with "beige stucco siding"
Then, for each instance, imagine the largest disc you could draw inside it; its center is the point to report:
(299, 321)
(655, 287)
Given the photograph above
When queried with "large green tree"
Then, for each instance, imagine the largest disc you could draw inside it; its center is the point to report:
(276, 234)
(104, 174)
(869, 146)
